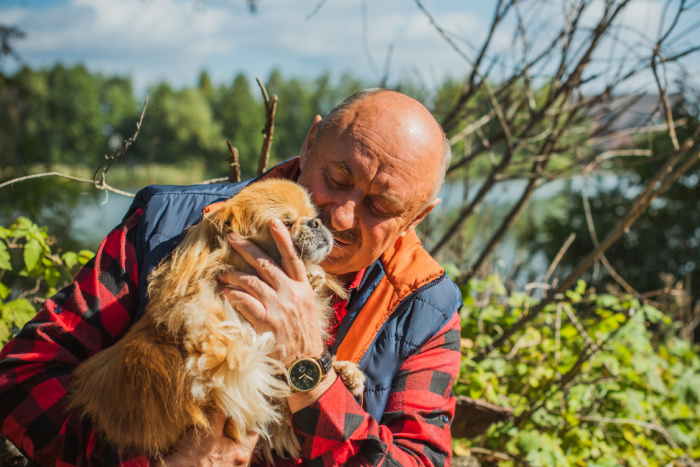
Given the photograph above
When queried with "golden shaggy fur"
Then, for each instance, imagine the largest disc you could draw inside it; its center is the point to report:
(191, 353)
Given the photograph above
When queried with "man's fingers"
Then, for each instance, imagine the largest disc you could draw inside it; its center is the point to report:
(250, 308)
(291, 263)
(248, 283)
(217, 420)
(259, 260)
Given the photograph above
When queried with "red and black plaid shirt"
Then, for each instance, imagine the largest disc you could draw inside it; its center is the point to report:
(98, 307)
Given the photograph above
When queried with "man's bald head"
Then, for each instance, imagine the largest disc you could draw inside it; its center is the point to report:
(394, 115)
(373, 167)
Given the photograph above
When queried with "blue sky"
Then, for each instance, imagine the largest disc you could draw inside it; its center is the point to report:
(152, 40)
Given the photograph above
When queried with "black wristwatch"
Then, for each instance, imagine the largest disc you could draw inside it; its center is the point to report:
(307, 372)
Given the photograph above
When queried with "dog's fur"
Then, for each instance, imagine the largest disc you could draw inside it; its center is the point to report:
(192, 353)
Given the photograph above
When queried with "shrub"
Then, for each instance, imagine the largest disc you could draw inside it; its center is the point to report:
(30, 271)
(595, 379)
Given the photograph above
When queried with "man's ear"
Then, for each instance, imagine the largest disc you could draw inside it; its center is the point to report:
(421, 215)
(309, 139)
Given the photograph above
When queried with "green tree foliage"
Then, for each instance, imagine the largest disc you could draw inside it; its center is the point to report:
(31, 269)
(61, 115)
(635, 401)
(180, 127)
(69, 116)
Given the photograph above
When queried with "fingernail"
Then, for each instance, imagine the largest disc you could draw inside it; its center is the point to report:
(233, 237)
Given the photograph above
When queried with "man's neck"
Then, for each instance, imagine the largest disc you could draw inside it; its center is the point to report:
(346, 279)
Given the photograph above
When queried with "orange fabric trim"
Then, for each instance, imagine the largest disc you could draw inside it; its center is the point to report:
(408, 267)
(370, 319)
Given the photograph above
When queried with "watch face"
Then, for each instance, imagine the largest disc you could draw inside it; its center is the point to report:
(304, 375)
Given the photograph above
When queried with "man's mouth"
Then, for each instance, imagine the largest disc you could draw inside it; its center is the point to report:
(342, 242)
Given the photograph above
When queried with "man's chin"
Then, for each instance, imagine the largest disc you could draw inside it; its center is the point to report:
(337, 260)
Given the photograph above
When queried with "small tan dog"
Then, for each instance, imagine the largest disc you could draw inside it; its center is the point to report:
(191, 353)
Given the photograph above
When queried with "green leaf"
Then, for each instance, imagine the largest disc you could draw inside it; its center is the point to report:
(18, 312)
(4, 291)
(32, 253)
(5, 258)
(4, 333)
(84, 256)
(70, 259)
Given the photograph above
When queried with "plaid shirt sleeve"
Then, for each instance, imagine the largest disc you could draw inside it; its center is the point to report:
(415, 427)
(35, 367)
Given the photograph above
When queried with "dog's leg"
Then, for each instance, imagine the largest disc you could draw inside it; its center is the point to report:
(352, 376)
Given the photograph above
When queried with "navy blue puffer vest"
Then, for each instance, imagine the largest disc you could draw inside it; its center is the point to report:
(169, 210)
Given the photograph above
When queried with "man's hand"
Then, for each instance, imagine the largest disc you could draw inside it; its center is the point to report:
(213, 450)
(280, 300)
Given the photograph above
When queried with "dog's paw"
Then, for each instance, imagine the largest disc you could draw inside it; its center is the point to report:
(352, 376)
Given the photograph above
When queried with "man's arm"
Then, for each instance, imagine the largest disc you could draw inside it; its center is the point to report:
(415, 427)
(334, 429)
(35, 367)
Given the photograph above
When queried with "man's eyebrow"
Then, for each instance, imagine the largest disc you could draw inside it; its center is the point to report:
(393, 201)
(344, 166)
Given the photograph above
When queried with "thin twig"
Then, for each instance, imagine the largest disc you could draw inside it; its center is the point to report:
(316, 9)
(629, 421)
(471, 128)
(269, 130)
(603, 259)
(495, 455)
(657, 185)
(102, 186)
(560, 254)
(567, 378)
(668, 114)
(214, 180)
(99, 177)
(234, 164)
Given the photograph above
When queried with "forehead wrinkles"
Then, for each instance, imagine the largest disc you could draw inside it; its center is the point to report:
(380, 154)
(380, 172)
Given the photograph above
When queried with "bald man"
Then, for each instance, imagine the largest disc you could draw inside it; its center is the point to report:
(373, 167)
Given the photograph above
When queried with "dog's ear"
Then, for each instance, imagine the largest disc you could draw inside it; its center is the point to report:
(226, 219)
(194, 259)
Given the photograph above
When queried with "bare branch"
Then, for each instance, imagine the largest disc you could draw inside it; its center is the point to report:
(471, 128)
(101, 186)
(668, 115)
(558, 257)
(603, 259)
(316, 9)
(656, 186)
(628, 421)
(234, 164)
(99, 177)
(269, 130)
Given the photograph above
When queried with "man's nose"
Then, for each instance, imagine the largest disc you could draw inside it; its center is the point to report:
(343, 216)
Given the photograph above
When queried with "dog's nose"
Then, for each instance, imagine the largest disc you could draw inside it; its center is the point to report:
(314, 223)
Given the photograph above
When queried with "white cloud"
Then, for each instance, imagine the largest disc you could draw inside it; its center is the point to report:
(174, 39)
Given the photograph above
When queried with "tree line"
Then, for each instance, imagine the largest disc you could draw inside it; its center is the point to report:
(67, 116)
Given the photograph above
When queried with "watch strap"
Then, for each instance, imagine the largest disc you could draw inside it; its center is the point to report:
(325, 361)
